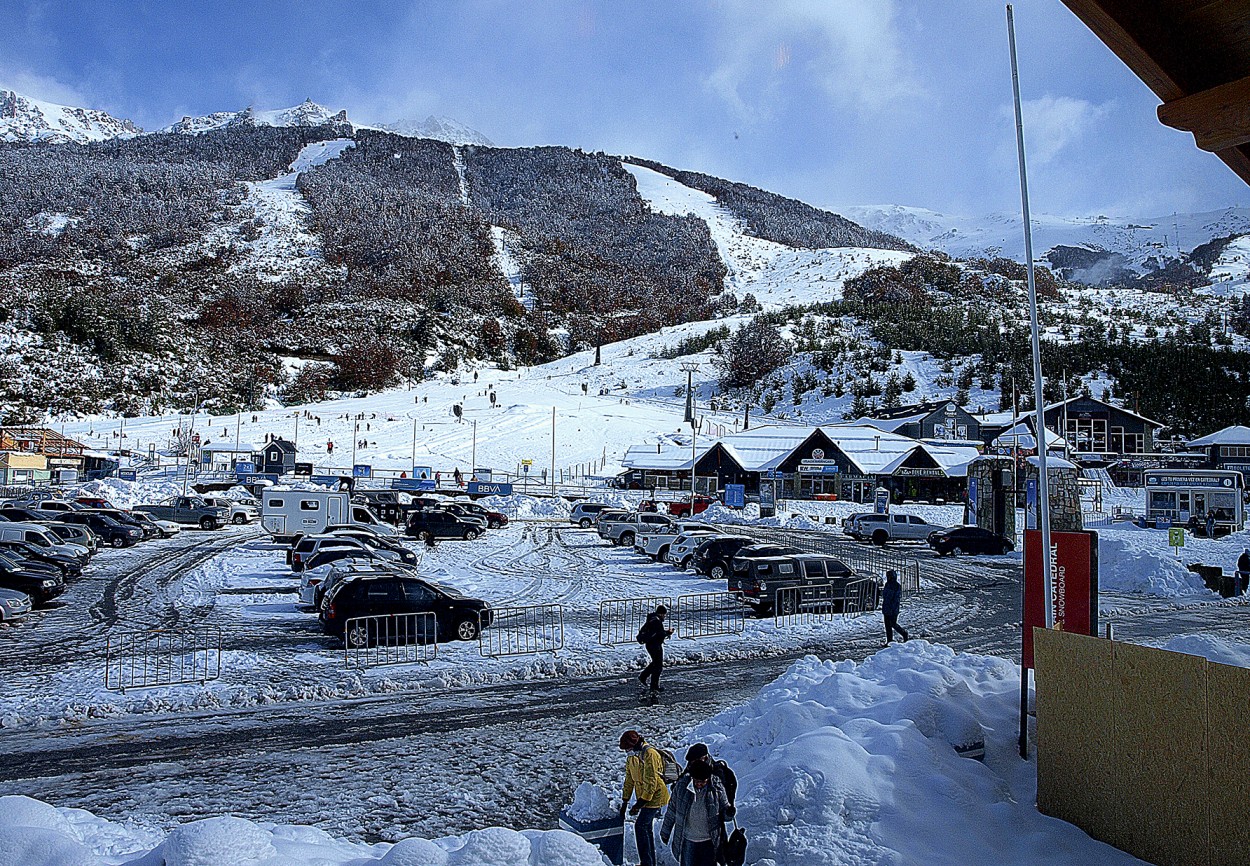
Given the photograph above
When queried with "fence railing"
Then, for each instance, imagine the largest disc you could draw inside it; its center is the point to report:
(390, 639)
(806, 603)
(860, 596)
(620, 618)
(708, 614)
(866, 560)
(141, 660)
(526, 630)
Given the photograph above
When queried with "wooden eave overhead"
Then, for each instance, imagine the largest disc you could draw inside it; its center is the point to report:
(1195, 56)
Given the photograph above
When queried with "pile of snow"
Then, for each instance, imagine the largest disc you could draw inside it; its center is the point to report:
(33, 833)
(523, 507)
(1135, 560)
(593, 803)
(845, 763)
(1211, 649)
(126, 494)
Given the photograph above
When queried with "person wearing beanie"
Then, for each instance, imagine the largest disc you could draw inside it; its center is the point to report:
(652, 636)
(694, 823)
(699, 754)
(891, 602)
(644, 777)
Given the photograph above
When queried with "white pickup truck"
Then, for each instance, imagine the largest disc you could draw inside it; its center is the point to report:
(241, 510)
(626, 530)
(880, 528)
(656, 542)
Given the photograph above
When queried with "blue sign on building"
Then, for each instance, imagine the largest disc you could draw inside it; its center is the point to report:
(128, 475)
(484, 488)
(735, 495)
(244, 467)
(412, 483)
(254, 478)
(362, 470)
(1030, 504)
(421, 473)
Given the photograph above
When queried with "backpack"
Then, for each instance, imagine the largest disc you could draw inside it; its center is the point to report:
(671, 770)
(727, 779)
(642, 634)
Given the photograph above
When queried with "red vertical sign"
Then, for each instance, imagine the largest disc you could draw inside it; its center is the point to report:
(1074, 564)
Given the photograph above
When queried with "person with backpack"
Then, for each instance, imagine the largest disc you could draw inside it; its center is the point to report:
(891, 602)
(699, 754)
(694, 822)
(644, 777)
(652, 636)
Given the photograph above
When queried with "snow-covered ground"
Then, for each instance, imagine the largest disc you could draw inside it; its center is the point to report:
(839, 764)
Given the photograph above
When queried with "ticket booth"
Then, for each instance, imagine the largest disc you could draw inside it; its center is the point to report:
(1182, 496)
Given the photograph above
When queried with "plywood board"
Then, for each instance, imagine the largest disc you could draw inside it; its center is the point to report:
(1228, 702)
(1075, 731)
(1161, 753)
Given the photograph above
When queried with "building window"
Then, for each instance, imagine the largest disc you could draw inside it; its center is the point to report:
(1234, 451)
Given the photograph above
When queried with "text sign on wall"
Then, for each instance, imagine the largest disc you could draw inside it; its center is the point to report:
(1074, 564)
(485, 488)
(362, 470)
(735, 495)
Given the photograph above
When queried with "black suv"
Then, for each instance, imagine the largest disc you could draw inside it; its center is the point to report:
(440, 523)
(147, 530)
(114, 533)
(41, 583)
(821, 578)
(68, 566)
(458, 617)
(713, 557)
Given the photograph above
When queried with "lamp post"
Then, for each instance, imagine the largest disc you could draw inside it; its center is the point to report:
(473, 458)
(690, 367)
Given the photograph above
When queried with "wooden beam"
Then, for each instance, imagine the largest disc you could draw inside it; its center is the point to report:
(1110, 29)
(1219, 117)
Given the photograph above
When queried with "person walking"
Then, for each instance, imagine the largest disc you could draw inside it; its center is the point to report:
(891, 602)
(694, 822)
(699, 754)
(1211, 523)
(1243, 571)
(652, 636)
(644, 777)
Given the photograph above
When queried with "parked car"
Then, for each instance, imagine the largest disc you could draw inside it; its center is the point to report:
(22, 514)
(681, 552)
(310, 545)
(331, 555)
(681, 507)
(93, 502)
(624, 531)
(584, 513)
(441, 523)
(159, 528)
(656, 542)
(146, 529)
(113, 532)
(188, 510)
(969, 539)
(14, 605)
(458, 617)
(38, 535)
(758, 581)
(70, 566)
(880, 528)
(240, 511)
(49, 506)
(494, 519)
(72, 533)
(41, 583)
(608, 515)
(316, 582)
(713, 556)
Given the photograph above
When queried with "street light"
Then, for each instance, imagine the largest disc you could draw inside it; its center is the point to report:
(690, 367)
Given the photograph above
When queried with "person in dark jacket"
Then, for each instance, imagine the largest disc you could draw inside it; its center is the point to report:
(1243, 571)
(694, 822)
(891, 602)
(699, 754)
(652, 636)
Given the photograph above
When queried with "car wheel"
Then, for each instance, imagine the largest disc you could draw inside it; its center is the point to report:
(585, 523)
(208, 523)
(662, 556)
(239, 520)
(357, 636)
(466, 629)
(957, 551)
(470, 534)
(683, 564)
(717, 572)
(117, 541)
(627, 539)
(493, 524)
(880, 537)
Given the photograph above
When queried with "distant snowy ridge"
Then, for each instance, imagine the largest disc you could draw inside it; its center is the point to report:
(26, 119)
(440, 128)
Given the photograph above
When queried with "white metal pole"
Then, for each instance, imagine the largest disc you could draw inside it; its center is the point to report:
(473, 459)
(1043, 485)
(414, 444)
(553, 450)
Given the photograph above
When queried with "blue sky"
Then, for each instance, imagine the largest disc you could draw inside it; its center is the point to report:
(836, 102)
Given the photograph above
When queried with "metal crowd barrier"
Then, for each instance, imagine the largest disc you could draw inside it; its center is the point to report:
(860, 596)
(708, 614)
(512, 631)
(390, 639)
(620, 618)
(144, 660)
(864, 559)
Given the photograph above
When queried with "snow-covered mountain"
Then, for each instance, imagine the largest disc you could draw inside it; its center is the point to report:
(26, 119)
(307, 113)
(441, 128)
(1083, 245)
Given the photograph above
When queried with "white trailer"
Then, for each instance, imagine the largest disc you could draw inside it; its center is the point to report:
(286, 513)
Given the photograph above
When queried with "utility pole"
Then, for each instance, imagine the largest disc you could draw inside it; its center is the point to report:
(414, 445)
(690, 367)
(355, 442)
(473, 459)
(553, 450)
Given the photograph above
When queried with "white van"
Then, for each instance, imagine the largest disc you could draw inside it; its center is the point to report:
(287, 513)
(40, 536)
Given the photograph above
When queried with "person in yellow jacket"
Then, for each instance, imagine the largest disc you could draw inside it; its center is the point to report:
(644, 777)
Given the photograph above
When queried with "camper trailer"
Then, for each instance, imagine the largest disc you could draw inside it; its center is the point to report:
(287, 513)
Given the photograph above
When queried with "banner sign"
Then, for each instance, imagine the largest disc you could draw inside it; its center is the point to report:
(1030, 503)
(128, 475)
(412, 483)
(244, 467)
(362, 470)
(881, 501)
(303, 469)
(1184, 479)
(256, 478)
(735, 495)
(485, 488)
(1074, 573)
(423, 472)
(972, 500)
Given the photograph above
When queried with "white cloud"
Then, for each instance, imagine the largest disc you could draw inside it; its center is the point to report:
(850, 49)
(1051, 123)
(43, 88)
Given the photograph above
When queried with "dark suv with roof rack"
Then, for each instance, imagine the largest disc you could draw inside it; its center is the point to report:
(457, 616)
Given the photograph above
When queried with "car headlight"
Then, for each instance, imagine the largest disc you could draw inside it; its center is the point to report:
(134, 531)
(48, 584)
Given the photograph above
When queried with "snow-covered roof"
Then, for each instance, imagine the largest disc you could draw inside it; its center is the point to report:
(764, 447)
(873, 451)
(1021, 436)
(1053, 463)
(1234, 435)
(661, 457)
(889, 425)
(1054, 407)
(953, 459)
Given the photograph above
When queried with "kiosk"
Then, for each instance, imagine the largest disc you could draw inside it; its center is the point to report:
(1180, 496)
